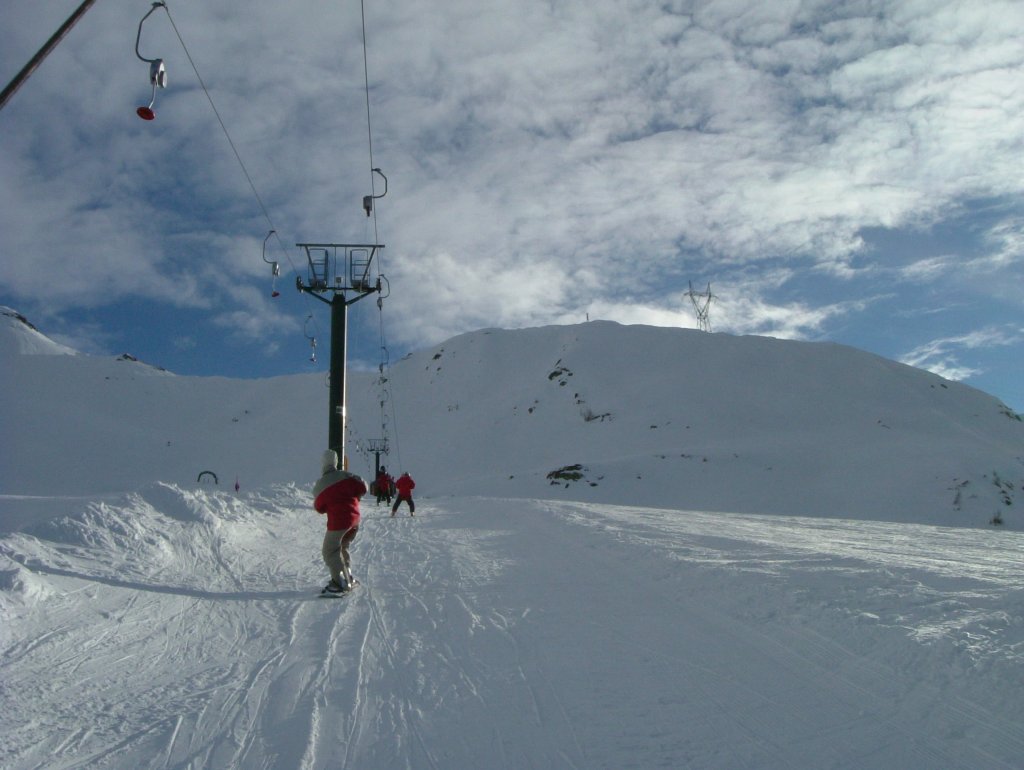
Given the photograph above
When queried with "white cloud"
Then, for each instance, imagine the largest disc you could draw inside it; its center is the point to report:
(942, 356)
(544, 159)
(751, 314)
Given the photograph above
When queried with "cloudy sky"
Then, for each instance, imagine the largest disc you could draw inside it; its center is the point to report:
(841, 171)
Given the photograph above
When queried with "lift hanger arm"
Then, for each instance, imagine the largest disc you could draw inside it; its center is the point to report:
(138, 36)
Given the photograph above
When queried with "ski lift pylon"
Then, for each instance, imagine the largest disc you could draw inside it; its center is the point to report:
(157, 70)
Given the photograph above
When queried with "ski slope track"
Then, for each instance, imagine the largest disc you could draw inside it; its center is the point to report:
(181, 628)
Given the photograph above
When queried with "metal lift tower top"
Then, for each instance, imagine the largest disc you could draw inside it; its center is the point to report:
(339, 275)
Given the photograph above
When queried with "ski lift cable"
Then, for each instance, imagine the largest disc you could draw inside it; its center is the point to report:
(373, 169)
(220, 120)
(369, 130)
(231, 143)
(385, 371)
(234, 149)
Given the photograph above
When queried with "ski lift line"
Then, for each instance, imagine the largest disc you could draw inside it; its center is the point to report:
(366, 81)
(385, 370)
(369, 132)
(220, 120)
(234, 148)
(371, 209)
(158, 78)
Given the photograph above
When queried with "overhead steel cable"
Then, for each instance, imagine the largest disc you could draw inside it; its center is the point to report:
(385, 368)
(238, 156)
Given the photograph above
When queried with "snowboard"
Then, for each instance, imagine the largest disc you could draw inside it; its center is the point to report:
(338, 595)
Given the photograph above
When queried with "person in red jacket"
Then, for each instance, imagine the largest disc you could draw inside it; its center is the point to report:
(384, 485)
(404, 486)
(337, 494)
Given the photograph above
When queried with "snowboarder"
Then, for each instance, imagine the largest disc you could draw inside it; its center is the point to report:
(383, 485)
(337, 494)
(405, 485)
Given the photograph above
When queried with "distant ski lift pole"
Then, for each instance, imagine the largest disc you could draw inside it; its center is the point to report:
(369, 199)
(157, 70)
(275, 269)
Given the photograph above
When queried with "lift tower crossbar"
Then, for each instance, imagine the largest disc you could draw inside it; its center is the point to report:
(339, 276)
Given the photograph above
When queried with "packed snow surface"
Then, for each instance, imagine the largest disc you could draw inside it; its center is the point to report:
(182, 628)
(866, 615)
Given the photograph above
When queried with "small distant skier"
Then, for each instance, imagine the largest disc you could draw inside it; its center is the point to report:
(337, 494)
(404, 486)
(383, 484)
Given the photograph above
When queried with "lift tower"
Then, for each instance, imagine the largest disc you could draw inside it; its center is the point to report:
(339, 276)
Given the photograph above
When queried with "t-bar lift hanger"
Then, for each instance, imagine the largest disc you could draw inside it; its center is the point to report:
(157, 70)
(275, 269)
(369, 199)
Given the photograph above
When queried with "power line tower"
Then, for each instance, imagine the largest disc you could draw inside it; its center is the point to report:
(339, 276)
(701, 306)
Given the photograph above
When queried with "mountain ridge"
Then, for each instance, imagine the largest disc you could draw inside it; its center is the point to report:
(598, 412)
(717, 423)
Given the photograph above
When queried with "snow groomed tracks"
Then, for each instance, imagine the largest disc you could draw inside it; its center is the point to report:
(182, 629)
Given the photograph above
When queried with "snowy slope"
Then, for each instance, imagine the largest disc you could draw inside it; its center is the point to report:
(85, 424)
(179, 628)
(20, 337)
(649, 614)
(660, 417)
(679, 418)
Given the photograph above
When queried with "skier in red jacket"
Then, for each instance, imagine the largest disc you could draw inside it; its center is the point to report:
(384, 484)
(405, 485)
(337, 494)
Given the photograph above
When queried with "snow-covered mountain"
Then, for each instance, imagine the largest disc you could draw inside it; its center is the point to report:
(19, 337)
(633, 547)
(595, 412)
(680, 418)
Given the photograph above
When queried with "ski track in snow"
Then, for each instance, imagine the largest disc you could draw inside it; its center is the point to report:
(183, 629)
